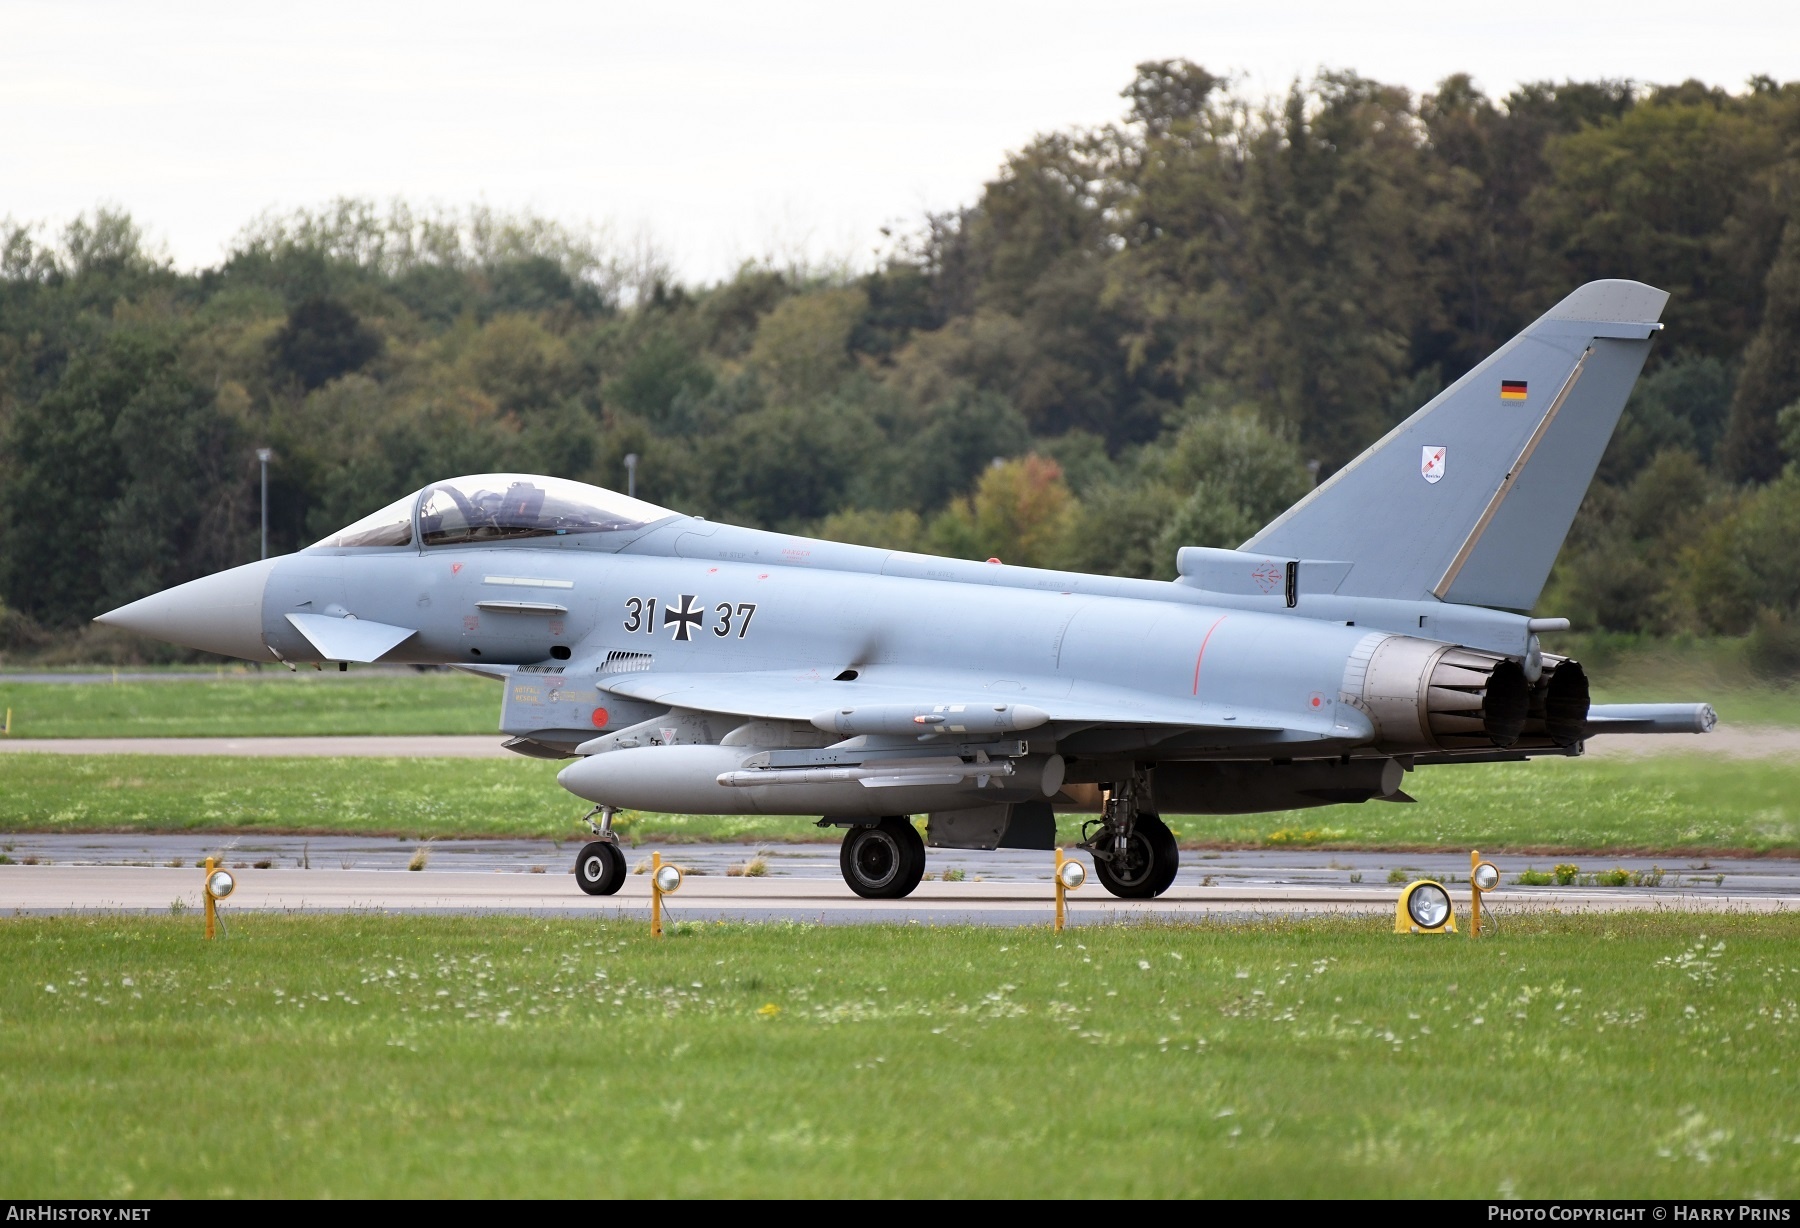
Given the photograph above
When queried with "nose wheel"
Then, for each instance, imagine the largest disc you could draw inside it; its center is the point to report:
(1141, 866)
(883, 861)
(1135, 854)
(600, 868)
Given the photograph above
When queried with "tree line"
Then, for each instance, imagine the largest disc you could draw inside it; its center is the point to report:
(1153, 333)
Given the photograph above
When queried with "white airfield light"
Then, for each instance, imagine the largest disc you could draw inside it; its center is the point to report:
(1071, 874)
(218, 884)
(663, 879)
(1424, 908)
(1484, 876)
(1428, 905)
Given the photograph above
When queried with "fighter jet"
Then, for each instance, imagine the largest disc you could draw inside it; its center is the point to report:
(1379, 626)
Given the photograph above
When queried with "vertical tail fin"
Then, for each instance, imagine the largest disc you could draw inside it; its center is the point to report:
(1469, 500)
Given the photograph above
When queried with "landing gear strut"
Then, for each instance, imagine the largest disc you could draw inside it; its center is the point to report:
(883, 861)
(1135, 854)
(600, 866)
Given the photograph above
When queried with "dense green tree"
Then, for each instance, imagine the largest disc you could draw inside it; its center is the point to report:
(1616, 571)
(1021, 512)
(520, 363)
(783, 466)
(1745, 565)
(1283, 252)
(900, 530)
(1678, 406)
(802, 346)
(1488, 247)
(1675, 192)
(659, 375)
(124, 479)
(1771, 376)
(322, 340)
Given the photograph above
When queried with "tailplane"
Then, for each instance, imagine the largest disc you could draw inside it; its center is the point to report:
(1469, 500)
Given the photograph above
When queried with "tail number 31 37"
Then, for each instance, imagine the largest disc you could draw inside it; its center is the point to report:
(688, 618)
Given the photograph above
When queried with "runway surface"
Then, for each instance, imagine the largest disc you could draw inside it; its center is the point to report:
(1736, 743)
(89, 874)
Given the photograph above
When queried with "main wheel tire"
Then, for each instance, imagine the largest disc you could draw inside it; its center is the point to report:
(600, 868)
(1151, 859)
(883, 861)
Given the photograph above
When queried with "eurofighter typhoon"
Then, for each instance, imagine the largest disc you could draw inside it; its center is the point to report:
(1378, 626)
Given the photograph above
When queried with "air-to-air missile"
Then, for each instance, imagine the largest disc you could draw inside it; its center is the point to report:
(1380, 625)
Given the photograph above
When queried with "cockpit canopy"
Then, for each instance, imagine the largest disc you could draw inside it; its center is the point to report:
(492, 507)
(391, 526)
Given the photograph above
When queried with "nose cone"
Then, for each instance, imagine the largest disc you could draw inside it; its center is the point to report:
(220, 613)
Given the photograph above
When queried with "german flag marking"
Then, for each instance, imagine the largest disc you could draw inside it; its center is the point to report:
(1512, 390)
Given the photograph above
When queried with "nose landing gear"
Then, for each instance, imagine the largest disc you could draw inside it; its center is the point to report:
(1144, 867)
(600, 866)
(1135, 854)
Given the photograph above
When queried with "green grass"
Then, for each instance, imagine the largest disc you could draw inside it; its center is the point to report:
(1617, 1056)
(274, 703)
(415, 798)
(1673, 803)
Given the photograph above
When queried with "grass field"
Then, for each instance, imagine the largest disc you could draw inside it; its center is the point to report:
(273, 703)
(1618, 1056)
(1673, 803)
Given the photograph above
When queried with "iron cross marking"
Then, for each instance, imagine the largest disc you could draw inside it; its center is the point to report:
(687, 619)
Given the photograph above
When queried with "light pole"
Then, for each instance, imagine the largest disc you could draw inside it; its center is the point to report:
(631, 459)
(263, 456)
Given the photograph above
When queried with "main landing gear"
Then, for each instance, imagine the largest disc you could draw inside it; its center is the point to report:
(883, 861)
(1135, 854)
(600, 866)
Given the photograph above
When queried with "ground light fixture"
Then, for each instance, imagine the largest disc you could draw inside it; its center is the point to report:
(219, 884)
(1424, 908)
(1484, 876)
(1070, 874)
(663, 880)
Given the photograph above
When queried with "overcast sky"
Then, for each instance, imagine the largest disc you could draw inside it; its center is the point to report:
(724, 131)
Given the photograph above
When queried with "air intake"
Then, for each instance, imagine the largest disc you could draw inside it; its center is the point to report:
(626, 662)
